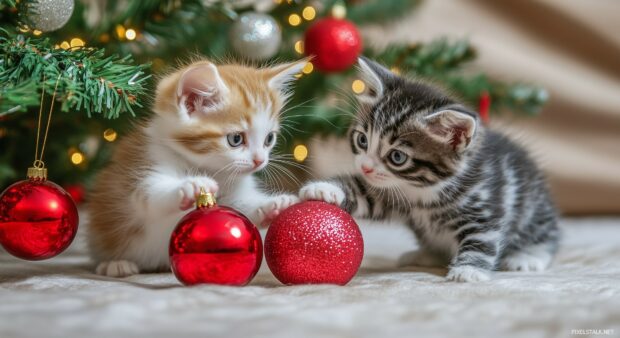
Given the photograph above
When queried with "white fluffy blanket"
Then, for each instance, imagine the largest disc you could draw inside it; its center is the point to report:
(61, 297)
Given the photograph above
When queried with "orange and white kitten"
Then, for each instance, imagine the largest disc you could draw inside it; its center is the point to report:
(214, 127)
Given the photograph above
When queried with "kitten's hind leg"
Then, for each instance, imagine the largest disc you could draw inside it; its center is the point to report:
(532, 258)
(120, 268)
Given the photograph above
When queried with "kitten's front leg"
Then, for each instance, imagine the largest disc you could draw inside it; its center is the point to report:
(273, 206)
(260, 207)
(476, 257)
(349, 193)
(166, 193)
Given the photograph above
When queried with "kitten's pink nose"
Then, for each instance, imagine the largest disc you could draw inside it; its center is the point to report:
(367, 170)
(257, 163)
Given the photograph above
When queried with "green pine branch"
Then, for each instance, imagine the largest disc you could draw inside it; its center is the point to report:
(7, 3)
(88, 80)
(438, 56)
(379, 11)
(515, 97)
(443, 60)
(163, 26)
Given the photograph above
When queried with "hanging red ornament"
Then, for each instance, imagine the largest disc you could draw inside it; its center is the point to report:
(334, 43)
(314, 242)
(215, 245)
(38, 219)
(485, 106)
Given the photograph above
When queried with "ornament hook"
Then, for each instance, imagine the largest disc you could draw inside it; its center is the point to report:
(38, 170)
(205, 199)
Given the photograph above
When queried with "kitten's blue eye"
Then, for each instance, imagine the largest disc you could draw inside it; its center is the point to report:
(235, 139)
(362, 141)
(397, 157)
(270, 139)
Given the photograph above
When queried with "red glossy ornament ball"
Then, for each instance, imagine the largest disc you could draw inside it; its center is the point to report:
(38, 219)
(314, 242)
(215, 245)
(334, 43)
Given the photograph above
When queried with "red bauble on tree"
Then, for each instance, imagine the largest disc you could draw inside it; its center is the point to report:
(76, 191)
(215, 245)
(314, 242)
(38, 219)
(334, 43)
(484, 106)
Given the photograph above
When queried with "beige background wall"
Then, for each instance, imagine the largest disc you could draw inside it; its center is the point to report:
(572, 47)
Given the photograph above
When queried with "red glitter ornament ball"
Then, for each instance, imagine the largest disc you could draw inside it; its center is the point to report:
(38, 219)
(334, 43)
(215, 245)
(314, 242)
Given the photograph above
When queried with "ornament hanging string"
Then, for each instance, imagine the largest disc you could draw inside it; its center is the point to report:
(38, 160)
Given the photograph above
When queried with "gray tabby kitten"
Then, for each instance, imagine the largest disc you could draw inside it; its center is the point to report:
(474, 199)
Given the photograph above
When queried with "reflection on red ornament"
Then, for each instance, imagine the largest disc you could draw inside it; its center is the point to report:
(38, 219)
(334, 43)
(215, 245)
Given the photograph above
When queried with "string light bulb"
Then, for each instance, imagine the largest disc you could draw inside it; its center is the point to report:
(309, 13)
(77, 42)
(65, 45)
(300, 153)
(358, 86)
(37, 32)
(294, 20)
(77, 158)
(308, 68)
(299, 47)
(120, 31)
(130, 34)
(339, 11)
(110, 135)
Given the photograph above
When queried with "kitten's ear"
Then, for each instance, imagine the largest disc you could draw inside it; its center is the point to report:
(201, 91)
(374, 76)
(451, 127)
(280, 76)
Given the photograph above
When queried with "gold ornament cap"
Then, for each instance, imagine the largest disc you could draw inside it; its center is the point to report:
(205, 199)
(37, 173)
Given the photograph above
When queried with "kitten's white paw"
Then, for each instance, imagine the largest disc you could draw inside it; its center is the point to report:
(190, 188)
(524, 261)
(323, 191)
(423, 258)
(117, 268)
(468, 274)
(270, 210)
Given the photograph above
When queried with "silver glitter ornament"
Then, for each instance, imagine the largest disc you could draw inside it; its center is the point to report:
(49, 15)
(255, 36)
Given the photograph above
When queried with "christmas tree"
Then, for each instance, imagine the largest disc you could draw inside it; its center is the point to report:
(96, 59)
